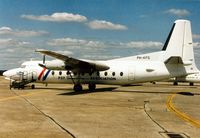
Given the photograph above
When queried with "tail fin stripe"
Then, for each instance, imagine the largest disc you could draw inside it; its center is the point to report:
(168, 38)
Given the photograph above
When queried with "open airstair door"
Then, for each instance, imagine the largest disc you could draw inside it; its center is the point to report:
(32, 75)
(131, 74)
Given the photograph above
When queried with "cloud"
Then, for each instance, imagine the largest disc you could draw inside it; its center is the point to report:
(143, 44)
(70, 17)
(196, 36)
(105, 25)
(100, 56)
(16, 51)
(67, 42)
(75, 43)
(21, 33)
(12, 56)
(12, 42)
(57, 17)
(178, 12)
(196, 44)
(81, 43)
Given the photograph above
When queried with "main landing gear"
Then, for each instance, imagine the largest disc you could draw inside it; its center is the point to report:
(175, 83)
(191, 84)
(79, 88)
(92, 86)
(77, 85)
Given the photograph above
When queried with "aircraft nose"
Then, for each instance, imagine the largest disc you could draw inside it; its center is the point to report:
(6, 73)
(11, 74)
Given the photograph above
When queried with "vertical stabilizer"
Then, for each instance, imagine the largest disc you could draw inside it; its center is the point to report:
(179, 45)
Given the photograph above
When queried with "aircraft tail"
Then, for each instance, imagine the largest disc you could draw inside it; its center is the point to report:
(179, 46)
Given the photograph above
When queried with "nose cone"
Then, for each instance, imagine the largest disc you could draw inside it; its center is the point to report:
(10, 73)
(6, 73)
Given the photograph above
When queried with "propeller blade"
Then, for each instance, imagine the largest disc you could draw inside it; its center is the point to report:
(44, 56)
(42, 65)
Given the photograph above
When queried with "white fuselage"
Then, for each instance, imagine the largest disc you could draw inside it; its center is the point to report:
(120, 73)
(176, 59)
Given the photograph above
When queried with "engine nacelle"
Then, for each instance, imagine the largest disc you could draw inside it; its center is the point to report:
(54, 65)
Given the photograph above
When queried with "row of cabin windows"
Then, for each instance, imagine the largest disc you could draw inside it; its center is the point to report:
(98, 74)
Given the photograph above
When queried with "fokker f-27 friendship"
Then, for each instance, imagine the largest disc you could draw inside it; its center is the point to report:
(176, 59)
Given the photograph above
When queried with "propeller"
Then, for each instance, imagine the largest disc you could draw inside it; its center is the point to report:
(43, 62)
(44, 58)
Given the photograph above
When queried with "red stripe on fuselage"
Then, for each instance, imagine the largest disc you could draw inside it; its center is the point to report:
(41, 73)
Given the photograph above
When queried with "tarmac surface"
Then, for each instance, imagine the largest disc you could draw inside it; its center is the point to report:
(147, 110)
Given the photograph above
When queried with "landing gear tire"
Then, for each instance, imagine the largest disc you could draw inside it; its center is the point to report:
(33, 86)
(92, 86)
(191, 84)
(21, 87)
(78, 88)
(175, 83)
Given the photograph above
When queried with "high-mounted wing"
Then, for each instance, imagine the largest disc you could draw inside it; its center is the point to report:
(76, 64)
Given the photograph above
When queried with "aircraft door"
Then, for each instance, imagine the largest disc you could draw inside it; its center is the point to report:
(131, 73)
(32, 75)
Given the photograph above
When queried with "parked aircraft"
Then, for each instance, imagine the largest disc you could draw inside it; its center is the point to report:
(191, 79)
(175, 60)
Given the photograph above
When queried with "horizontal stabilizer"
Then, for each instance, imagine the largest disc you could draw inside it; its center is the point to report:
(174, 60)
(177, 60)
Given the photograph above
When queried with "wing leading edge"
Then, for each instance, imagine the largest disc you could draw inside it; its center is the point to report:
(76, 64)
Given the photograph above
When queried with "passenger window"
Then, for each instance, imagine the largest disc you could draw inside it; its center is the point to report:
(68, 73)
(121, 73)
(105, 73)
(113, 73)
(60, 72)
(52, 72)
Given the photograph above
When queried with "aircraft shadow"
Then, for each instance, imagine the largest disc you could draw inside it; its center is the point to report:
(187, 93)
(113, 89)
(110, 89)
(153, 92)
(49, 88)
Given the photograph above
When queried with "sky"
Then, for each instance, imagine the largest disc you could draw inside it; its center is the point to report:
(90, 29)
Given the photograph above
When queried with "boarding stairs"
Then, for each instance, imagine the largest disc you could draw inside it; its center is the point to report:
(21, 79)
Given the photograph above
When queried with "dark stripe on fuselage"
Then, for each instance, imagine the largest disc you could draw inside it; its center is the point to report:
(45, 76)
